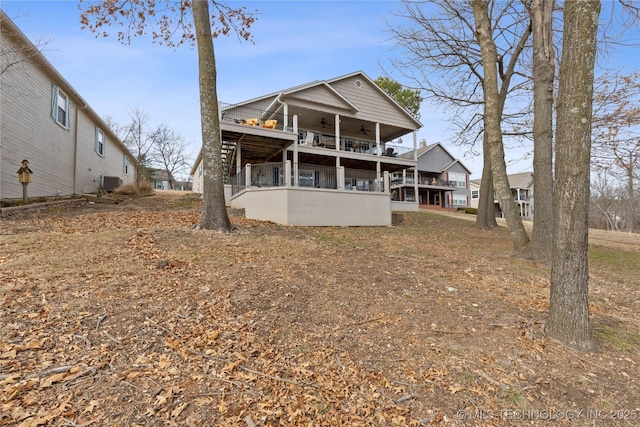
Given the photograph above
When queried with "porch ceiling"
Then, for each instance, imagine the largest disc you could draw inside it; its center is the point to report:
(350, 127)
(257, 148)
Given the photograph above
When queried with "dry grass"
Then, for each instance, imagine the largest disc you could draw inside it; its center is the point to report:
(145, 187)
(149, 322)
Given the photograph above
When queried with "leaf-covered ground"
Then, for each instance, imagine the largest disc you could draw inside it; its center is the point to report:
(125, 315)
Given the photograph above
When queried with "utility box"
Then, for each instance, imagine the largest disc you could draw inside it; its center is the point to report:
(110, 183)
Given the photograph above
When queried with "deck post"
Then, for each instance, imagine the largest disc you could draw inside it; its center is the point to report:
(340, 177)
(247, 176)
(287, 173)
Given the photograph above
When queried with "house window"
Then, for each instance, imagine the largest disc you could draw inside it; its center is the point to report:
(475, 194)
(459, 200)
(200, 170)
(60, 107)
(99, 142)
(458, 179)
(125, 164)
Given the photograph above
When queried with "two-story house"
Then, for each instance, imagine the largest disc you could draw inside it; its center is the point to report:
(521, 185)
(321, 153)
(441, 181)
(43, 120)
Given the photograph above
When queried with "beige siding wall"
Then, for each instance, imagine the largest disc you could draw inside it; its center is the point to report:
(27, 131)
(373, 105)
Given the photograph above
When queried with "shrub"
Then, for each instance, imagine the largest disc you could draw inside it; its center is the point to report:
(144, 187)
(470, 211)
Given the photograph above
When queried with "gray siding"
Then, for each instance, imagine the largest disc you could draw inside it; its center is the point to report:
(434, 160)
(373, 105)
(27, 131)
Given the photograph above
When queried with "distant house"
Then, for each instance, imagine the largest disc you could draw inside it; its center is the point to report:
(521, 185)
(442, 180)
(43, 120)
(319, 154)
(160, 179)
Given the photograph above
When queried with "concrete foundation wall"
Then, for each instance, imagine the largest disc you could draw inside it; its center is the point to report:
(315, 207)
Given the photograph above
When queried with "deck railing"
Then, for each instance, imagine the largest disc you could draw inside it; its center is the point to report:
(310, 138)
(266, 175)
(316, 176)
(361, 180)
(247, 116)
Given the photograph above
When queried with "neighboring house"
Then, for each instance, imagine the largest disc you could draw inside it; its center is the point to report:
(43, 120)
(443, 181)
(182, 185)
(521, 185)
(161, 179)
(316, 154)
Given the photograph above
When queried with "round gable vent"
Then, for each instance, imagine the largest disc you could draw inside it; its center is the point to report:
(358, 83)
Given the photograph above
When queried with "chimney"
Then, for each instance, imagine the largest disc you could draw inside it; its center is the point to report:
(423, 143)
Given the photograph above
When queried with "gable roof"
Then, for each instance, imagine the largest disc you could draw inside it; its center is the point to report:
(10, 29)
(516, 180)
(424, 150)
(338, 100)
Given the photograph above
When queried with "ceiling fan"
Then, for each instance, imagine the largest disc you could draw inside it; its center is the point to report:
(363, 130)
(324, 123)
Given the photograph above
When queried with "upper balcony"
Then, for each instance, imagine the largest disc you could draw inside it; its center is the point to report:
(246, 124)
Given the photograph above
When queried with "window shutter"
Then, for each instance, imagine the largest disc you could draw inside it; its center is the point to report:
(54, 102)
(68, 114)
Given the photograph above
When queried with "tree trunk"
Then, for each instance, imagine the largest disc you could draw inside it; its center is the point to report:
(569, 305)
(543, 79)
(486, 218)
(631, 220)
(492, 128)
(214, 212)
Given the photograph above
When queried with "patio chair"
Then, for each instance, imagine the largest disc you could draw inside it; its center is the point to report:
(309, 139)
(270, 124)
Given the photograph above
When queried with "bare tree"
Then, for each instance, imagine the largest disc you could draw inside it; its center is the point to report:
(568, 319)
(13, 55)
(173, 26)
(214, 212)
(616, 147)
(541, 12)
(170, 151)
(136, 135)
(494, 99)
(443, 58)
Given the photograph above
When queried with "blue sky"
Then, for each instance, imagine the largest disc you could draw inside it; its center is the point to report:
(295, 42)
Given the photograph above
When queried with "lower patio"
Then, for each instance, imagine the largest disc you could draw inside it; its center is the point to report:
(312, 195)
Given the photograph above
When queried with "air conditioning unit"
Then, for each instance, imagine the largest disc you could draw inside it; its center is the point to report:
(110, 183)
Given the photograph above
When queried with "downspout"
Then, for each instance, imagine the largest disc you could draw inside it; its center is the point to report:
(75, 150)
(285, 115)
(415, 169)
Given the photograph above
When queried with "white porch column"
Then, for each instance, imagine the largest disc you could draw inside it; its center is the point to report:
(378, 152)
(340, 177)
(415, 145)
(387, 182)
(287, 173)
(247, 176)
(286, 116)
(337, 128)
(295, 152)
(415, 185)
(378, 176)
(404, 176)
(238, 157)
